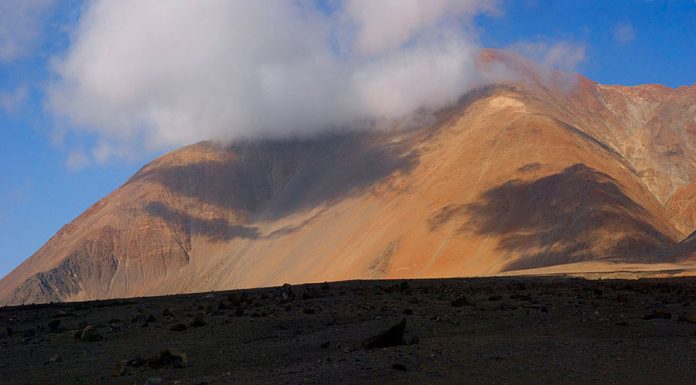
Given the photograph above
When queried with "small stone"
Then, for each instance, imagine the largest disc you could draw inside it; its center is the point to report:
(54, 326)
(309, 311)
(391, 337)
(462, 300)
(325, 344)
(154, 381)
(178, 327)
(119, 369)
(288, 295)
(657, 314)
(136, 362)
(169, 357)
(399, 367)
(55, 358)
(505, 307)
(167, 313)
(236, 299)
(198, 321)
(89, 334)
(309, 293)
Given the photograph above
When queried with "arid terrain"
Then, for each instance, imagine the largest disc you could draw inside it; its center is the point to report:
(549, 173)
(518, 330)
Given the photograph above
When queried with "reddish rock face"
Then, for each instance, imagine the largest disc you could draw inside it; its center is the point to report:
(549, 174)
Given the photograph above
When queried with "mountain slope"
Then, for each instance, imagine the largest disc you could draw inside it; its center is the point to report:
(531, 175)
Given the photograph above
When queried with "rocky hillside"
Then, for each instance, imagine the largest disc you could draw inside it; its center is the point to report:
(550, 173)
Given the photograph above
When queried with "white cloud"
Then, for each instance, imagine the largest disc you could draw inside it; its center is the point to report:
(168, 73)
(20, 26)
(387, 24)
(10, 101)
(563, 55)
(624, 33)
(77, 160)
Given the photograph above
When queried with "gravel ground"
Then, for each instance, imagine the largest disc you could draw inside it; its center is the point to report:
(531, 330)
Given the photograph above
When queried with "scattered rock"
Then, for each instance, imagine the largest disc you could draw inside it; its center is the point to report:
(309, 311)
(393, 336)
(236, 299)
(414, 340)
(325, 344)
(404, 286)
(119, 369)
(154, 381)
(178, 327)
(136, 362)
(463, 300)
(310, 292)
(168, 357)
(198, 321)
(9, 331)
(399, 367)
(54, 326)
(521, 297)
(505, 307)
(495, 297)
(658, 314)
(325, 286)
(167, 313)
(55, 358)
(90, 334)
(408, 311)
(288, 295)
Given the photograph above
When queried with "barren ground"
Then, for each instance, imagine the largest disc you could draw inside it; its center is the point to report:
(518, 330)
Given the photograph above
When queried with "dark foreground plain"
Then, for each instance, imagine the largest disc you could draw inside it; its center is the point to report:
(526, 330)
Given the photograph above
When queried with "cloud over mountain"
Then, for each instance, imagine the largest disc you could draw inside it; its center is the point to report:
(163, 74)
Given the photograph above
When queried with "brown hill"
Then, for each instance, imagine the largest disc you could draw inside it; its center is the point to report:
(552, 174)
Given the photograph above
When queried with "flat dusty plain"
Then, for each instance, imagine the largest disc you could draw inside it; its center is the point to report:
(513, 330)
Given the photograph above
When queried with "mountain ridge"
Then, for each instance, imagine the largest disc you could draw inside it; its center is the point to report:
(522, 176)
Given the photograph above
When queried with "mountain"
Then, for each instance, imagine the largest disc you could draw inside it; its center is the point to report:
(547, 173)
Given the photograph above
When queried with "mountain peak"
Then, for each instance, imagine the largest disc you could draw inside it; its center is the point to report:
(515, 178)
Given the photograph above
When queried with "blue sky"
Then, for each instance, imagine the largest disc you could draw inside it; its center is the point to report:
(45, 183)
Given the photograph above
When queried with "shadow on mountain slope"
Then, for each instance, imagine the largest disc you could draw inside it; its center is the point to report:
(217, 229)
(576, 215)
(272, 179)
